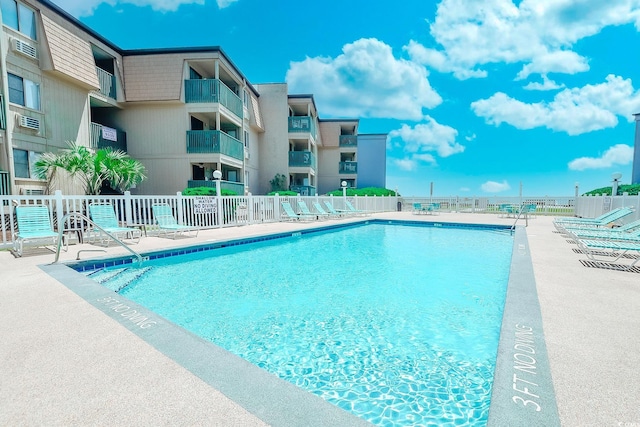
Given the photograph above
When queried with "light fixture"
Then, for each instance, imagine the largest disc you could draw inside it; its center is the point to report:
(217, 174)
(616, 176)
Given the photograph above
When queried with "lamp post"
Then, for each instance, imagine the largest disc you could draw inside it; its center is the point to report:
(217, 175)
(616, 180)
(344, 189)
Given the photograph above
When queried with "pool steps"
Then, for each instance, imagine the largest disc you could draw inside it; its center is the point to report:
(117, 279)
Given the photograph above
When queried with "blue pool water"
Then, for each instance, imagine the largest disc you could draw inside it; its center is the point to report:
(396, 324)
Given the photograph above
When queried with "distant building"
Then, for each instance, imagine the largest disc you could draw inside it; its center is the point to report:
(183, 112)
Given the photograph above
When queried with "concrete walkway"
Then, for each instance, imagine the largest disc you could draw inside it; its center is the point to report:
(63, 362)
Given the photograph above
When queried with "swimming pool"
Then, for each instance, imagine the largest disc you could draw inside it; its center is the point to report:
(411, 340)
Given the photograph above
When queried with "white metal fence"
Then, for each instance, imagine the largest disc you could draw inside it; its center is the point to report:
(136, 211)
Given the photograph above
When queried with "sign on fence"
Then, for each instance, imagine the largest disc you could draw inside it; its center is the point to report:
(204, 205)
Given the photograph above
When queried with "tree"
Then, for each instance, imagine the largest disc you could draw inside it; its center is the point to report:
(278, 183)
(114, 167)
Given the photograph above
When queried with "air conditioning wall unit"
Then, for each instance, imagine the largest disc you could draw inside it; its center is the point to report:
(28, 122)
(247, 155)
(24, 48)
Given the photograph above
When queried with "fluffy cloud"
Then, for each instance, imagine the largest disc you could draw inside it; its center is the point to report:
(429, 136)
(495, 187)
(538, 33)
(406, 164)
(366, 80)
(619, 154)
(87, 7)
(545, 85)
(574, 111)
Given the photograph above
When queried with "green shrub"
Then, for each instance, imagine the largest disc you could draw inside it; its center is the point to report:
(367, 191)
(206, 191)
(632, 189)
(282, 193)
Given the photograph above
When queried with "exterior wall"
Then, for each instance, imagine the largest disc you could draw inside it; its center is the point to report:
(635, 174)
(372, 160)
(156, 136)
(328, 176)
(274, 142)
(153, 77)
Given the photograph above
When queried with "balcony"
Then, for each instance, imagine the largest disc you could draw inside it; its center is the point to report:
(236, 187)
(302, 124)
(303, 190)
(106, 137)
(348, 140)
(348, 167)
(107, 83)
(304, 159)
(214, 142)
(212, 91)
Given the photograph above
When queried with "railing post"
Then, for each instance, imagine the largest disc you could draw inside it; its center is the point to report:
(128, 208)
(180, 207)
(276, 207)
(59, 210)
(249, 208)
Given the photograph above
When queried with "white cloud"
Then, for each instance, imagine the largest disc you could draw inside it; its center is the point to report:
(87, 7)
(494, 187)
(619, 154)
(464, 189)
(545, 85)
(574, 111)
(429, 136)
(366, 80)
(406, 164)
(538, 33)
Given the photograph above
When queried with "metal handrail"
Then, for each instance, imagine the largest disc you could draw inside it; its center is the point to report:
(78, 214)
(526, 219)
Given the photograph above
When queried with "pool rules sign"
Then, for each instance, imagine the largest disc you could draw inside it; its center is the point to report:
(204, 205)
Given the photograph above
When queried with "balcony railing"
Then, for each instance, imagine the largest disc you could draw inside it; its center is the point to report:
(106, 137)
(214, 142)
(348, 167)
(212, 91)
(5, 188)
(302, 159)
(3, 120)
(236, 187)
(302, 124)
(303, 190)
(348, 140)
(107, 83)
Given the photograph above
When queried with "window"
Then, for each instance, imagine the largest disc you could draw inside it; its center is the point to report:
(19, 17)
(246, 139)
(24, 163)
(245, 98)
(23, 92)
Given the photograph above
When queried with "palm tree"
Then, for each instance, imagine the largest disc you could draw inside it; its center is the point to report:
(93, 170)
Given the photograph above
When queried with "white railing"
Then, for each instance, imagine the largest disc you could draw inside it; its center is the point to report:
(136, 211)
(547, 205)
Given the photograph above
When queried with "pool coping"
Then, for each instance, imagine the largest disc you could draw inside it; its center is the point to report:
(279, 402)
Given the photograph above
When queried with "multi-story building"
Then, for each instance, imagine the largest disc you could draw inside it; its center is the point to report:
(184, 113)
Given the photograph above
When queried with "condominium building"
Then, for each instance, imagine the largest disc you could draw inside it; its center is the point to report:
(183, 112)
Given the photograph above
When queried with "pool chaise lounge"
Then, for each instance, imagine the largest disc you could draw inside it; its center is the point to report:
(104, 216)
(336, 212)
(630, 232)
(305, 211)
(321, 210)
(34, 228)
(604, 220)
(594, 247)
(290, 214)
(353, 210)
(163, 215)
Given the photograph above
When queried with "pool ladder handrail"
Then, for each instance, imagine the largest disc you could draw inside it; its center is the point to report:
(84, 217)
(526, 218)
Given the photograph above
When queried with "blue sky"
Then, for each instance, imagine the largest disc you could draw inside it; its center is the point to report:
(476, 96)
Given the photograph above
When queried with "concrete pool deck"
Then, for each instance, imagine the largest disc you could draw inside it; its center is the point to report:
(64, 362)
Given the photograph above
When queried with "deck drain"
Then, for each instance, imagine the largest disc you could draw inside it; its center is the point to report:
(609, 266)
